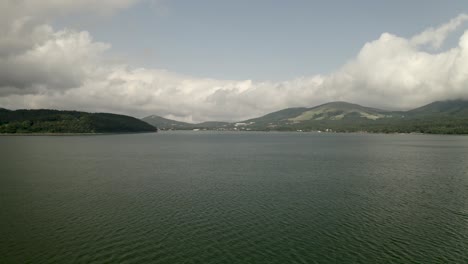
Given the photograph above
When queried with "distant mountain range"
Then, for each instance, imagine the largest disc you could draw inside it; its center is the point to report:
(441, 117)
(54, 121)
(168, 124)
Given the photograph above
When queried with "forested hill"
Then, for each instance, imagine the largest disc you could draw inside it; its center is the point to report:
(55, 121)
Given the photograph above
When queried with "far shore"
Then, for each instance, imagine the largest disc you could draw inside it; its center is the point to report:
(245, 131)
(73, 134)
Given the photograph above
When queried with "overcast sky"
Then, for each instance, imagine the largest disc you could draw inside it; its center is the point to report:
(229, 60)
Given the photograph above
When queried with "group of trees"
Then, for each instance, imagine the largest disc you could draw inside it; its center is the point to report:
(54, 121)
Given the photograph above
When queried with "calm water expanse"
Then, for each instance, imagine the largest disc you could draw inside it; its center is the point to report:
(206, 197)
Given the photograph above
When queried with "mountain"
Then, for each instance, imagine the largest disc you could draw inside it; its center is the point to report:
(441, 117)
(55, 121)
(328, 111)
(164, 123)
(450, 108)
(339, 111)
(334, 115)
(277, 117)
(167, 124)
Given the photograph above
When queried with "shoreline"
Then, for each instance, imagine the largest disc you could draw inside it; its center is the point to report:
(74, 134)
(306, 132)
(221, 131)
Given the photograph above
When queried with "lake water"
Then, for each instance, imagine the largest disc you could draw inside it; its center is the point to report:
(207, 197)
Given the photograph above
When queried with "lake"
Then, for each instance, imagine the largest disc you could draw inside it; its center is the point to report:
(211, 197)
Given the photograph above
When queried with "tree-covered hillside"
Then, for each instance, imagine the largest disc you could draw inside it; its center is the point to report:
(54, 121)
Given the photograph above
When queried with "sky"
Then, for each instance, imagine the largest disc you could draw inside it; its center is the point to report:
(229, 60)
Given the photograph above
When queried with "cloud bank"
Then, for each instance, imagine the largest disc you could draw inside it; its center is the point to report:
(41, 67)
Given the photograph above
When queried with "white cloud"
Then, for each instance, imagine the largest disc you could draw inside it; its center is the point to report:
(436, 36)
(63, 61)
(44, 68)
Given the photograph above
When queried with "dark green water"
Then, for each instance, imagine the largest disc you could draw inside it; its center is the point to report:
(191, 197)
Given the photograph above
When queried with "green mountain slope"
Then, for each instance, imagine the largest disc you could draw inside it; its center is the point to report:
(55, 121)
(444, 117)
(275, 118)
(340, 110)
(450, 108)
(328, 111)
(320, 117)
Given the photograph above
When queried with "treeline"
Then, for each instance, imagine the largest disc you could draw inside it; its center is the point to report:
(54, 121)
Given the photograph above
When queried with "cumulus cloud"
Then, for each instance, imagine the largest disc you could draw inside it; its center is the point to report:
(45, 68)
(34, 57)
(64, 61)
(436, 36)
